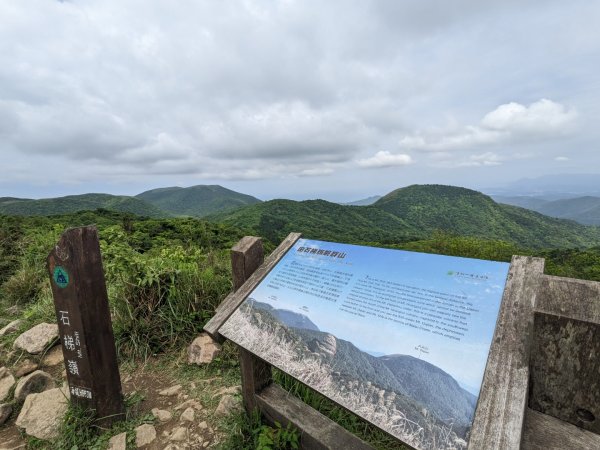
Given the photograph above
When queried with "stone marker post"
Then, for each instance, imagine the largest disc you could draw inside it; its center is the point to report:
(85, 328)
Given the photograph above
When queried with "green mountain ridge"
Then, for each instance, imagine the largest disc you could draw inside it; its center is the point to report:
(410, 213)
(585, 210)
(196, 201)
(75, 203)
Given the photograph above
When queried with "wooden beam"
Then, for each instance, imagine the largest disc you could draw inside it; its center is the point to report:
(501, 407)
(233, 300)
(317, 431)
(542, 432)
(246, 256)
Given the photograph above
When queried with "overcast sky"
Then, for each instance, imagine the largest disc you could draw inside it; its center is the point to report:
(299, 99)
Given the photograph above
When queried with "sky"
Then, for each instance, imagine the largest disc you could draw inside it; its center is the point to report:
(298, 99)
(465, 360)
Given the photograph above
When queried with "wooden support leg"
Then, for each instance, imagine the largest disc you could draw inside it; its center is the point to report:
(256, 375)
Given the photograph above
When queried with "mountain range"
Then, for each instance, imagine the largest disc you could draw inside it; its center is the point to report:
(194, 201)
(585, 210)
(406, 214)
(411, 213)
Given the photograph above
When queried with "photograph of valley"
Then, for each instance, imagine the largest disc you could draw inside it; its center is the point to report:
(175, 132)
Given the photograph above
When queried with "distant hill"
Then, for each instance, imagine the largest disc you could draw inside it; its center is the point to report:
(585, 210)
(196, 201)
(289, 318)
(75, 203)
(410, 213)
(364, 202)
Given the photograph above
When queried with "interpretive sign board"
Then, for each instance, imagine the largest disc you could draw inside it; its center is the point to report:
(399, 338)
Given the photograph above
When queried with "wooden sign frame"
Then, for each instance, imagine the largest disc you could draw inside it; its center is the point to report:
(502, 418)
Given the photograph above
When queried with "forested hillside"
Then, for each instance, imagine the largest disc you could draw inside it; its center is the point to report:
(75, 203)
(196, 201)
(411, 213)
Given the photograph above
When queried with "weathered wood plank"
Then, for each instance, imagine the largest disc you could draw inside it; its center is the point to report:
(565, 360)
(233, 300)
(569, 297)
(317, 431)
(543, 432)
(500, 410)
(82, 310)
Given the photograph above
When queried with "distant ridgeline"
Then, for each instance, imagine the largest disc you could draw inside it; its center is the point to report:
(411, 213)
(195, 201)
(407, 214)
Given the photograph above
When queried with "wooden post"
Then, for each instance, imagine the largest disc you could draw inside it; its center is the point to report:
(501, 409)
(83, 314)
(247, 256)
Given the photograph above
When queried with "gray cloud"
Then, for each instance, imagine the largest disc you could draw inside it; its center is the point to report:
(251, 90)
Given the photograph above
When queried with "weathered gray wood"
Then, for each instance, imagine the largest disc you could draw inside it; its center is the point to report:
(83, 315)
(565, 360)
(256, 375)
(246, 256)
(542, 432)
(500, 410)
(233, 300)
(569, 297)
(317, 431)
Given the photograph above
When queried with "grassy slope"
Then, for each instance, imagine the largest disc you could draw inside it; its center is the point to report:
(197, 201)
(74, 203)
(411, 213)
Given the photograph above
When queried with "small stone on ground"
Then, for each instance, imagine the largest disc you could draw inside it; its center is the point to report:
(227, 405)
(173, 390)
(162, 415)
(37, 338)
(25, 367)
(7, 381)
(179, 434)
(38, 381)
(118, 442)
(144, 435)
(187, 415)
(5, 412)
(54, 357)
(42, 414)
(203, 350)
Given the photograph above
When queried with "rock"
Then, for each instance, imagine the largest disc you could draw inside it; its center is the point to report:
(191, 402)
(37, 338)
(203, 350)
(12, 327)
(54, 357)
(118, 442)
(187, 415)
(144, 435)
(179, 434)
(173, 390)
(203, 425)
(25, 368)
(43, 413)
(227, 405)
(38, 381)
(5, 412)
(162, 415)
(7, 381)
(228, 390)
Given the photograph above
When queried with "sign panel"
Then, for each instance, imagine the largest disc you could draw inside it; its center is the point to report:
(400, 338)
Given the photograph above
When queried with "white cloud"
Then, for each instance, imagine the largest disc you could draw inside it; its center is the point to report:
(384, 159)
(562, 158)
(510, 123)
